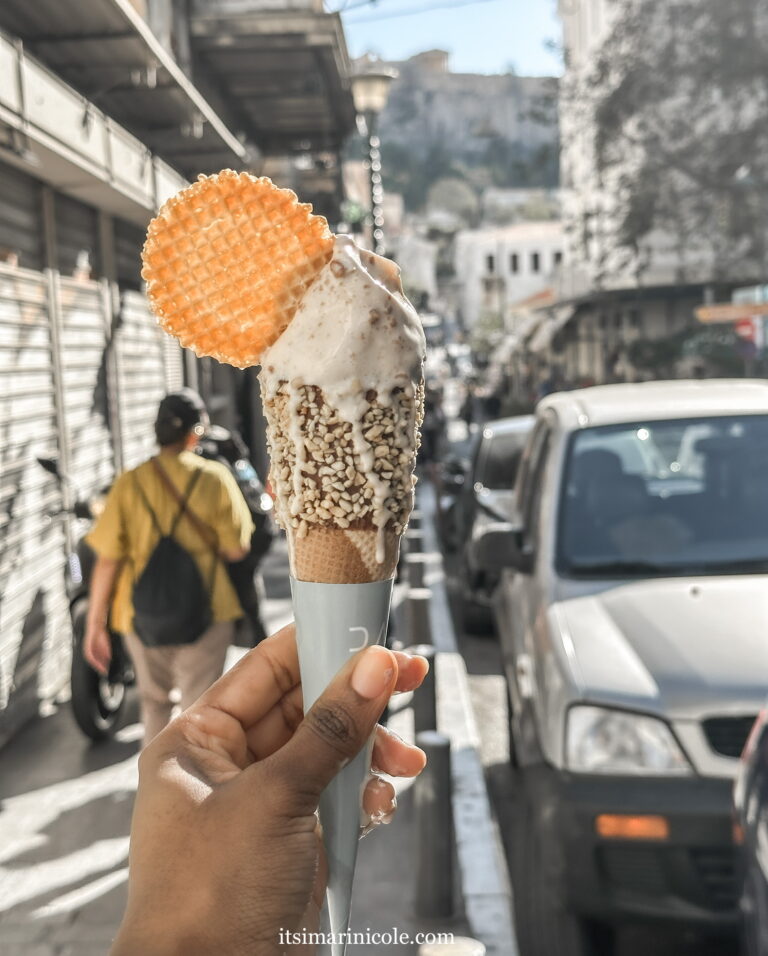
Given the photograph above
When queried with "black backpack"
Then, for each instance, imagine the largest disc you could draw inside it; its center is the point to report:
(171, 603)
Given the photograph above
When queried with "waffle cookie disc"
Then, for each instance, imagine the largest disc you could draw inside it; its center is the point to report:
(227, 261)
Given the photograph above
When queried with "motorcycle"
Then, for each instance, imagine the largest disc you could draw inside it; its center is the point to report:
(97, 701)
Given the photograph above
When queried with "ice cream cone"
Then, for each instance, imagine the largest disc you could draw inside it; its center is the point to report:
(239, 270)
(334, 621)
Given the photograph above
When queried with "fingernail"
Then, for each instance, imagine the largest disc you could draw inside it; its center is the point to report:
(373, 673)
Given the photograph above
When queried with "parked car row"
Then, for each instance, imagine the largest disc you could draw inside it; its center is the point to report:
(631, 560)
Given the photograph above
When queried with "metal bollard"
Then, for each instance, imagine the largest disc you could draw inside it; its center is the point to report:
(434, 826)
(417, 568)
(414, 540)
(425, 698)
(417, 624)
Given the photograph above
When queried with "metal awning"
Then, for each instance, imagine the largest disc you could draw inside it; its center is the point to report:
(107, 52)
(286, 71)
(554, 321)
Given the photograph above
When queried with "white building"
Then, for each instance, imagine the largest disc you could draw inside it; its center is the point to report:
(495, 268)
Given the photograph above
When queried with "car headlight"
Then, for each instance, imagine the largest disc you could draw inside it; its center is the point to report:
(599, 740)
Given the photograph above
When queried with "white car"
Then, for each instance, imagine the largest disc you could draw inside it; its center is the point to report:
(633, 619)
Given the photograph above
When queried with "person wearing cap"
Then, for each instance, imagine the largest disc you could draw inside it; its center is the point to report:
(214, 525)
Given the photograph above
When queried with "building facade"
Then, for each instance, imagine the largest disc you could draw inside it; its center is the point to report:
(624, 292)
(496, 268)
(107, 109)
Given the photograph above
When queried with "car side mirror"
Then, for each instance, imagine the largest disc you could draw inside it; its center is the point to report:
(500, 547)
(454, 475)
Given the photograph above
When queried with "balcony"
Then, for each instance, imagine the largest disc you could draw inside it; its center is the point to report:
(283, 65)
(107, 52)
(50, 130)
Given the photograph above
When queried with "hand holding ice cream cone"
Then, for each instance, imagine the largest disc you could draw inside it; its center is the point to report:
(231, 788)
(239, 270)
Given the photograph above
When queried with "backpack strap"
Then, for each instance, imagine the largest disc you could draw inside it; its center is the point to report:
(207, 534)
(147, 505)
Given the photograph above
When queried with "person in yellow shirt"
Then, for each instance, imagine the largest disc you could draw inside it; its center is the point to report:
(198, 504)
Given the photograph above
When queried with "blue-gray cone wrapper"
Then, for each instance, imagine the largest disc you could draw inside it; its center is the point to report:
(334, 622)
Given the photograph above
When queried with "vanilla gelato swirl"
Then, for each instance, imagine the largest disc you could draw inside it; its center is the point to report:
(353, 330)
(357, 339)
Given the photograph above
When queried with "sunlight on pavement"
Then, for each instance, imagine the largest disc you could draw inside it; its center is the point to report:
(19, 885)
(86, 894)
(61, 835)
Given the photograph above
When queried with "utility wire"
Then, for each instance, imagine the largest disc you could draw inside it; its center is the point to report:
(414, 10)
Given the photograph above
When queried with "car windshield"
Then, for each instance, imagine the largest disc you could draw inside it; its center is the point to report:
(672, 497)
(499, 460)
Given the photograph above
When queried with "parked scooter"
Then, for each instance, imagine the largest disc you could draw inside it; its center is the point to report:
(97, 701)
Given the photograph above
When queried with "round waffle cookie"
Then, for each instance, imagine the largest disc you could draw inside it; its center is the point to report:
(227, 261)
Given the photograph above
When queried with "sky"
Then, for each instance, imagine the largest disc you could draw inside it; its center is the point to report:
(483, 36)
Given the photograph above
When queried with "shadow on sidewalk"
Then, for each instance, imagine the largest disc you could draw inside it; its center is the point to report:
(51, 749)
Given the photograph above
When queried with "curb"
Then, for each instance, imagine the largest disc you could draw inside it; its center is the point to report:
(485, 884)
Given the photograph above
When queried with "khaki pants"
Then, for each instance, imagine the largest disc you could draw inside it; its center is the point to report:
(188, 668)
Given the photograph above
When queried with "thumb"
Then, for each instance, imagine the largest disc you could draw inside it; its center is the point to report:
(335, 729)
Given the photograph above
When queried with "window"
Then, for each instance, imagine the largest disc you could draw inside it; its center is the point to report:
(557, 259)
(499, 460)
(634, 318)
(532, 515)
(490, 264)
(617, 320)
(530, 479)
(668, 497)
(535, 262)
(514, 263)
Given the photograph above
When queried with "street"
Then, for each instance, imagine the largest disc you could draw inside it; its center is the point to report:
(481, 653)
(65, 816)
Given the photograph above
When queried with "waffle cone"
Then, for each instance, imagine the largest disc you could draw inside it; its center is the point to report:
(227, 261)
(338, 556)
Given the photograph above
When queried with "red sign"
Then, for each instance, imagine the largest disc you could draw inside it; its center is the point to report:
(746, 330)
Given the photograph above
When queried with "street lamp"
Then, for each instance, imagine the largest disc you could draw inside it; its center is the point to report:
(370, 91)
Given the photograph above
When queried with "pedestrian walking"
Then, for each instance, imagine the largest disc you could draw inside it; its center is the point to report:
(161, 542)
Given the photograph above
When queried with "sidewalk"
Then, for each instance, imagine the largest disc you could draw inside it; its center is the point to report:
(65, 810)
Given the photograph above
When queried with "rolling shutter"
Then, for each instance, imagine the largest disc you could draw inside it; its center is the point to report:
(83, 344)
(128, 242)
(35, 637)
(21, 222)
(141, 375)
(77, 231)
(174, 363)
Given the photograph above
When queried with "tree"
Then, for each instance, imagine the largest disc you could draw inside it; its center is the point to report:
(717, 346)
(674, 110)
(455, 196)
(487, 334)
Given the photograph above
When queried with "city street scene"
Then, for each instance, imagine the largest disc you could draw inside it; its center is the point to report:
(495, 400)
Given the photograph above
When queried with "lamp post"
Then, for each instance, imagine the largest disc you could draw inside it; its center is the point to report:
(370, 91)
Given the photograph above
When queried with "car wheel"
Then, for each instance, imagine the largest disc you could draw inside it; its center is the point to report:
(476, 618)
(97, 701)
(545, 925)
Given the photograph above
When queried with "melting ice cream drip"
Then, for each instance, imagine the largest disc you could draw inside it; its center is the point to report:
(354, 336)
